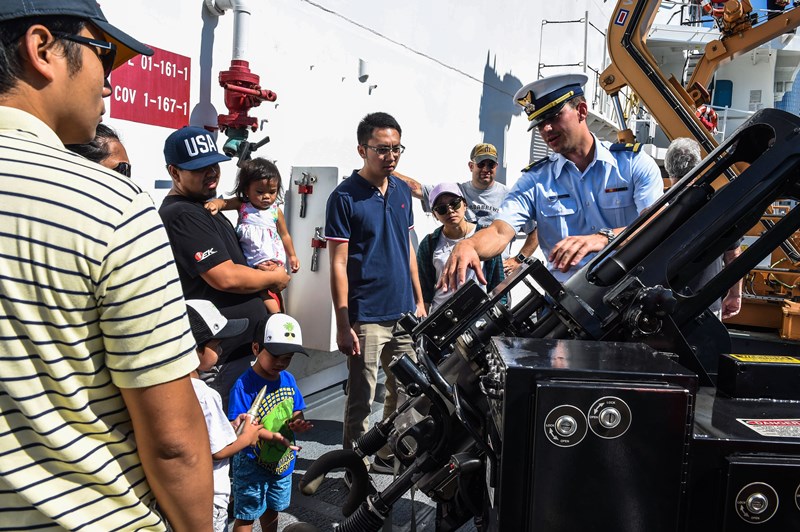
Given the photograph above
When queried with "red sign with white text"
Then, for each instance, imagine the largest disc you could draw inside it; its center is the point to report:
(152, 90)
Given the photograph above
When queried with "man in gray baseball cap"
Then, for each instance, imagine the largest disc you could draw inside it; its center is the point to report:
(99, 417)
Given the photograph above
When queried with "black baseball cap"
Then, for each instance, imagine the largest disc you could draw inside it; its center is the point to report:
(127, 46)
(207, 323)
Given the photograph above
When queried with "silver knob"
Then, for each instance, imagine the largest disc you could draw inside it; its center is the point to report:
(757, 503)
(566, 425)
(609, 417)
(467, 337)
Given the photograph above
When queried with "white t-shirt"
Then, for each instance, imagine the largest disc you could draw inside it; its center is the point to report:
(440, 255)
(220, 435)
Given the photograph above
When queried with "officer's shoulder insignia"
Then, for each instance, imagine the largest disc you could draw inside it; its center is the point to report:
(536, 163)
(635, 147)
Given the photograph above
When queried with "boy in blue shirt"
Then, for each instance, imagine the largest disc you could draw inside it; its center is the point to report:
(262, 476)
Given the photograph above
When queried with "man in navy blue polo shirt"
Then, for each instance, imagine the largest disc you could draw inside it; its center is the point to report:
(373, 272)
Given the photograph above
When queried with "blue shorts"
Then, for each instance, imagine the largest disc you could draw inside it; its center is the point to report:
(255, 491)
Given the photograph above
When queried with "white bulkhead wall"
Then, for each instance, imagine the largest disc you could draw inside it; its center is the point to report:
(446, 70)
(753, 78)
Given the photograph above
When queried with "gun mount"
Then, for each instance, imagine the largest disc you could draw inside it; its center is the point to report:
(591, 405)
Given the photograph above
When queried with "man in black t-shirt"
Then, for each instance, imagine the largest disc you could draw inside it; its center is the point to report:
(210, 262)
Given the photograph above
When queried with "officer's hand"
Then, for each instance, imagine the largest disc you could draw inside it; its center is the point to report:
(570, 251)
(462, 257)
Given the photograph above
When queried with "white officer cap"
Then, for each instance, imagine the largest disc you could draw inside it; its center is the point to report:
(545, 97)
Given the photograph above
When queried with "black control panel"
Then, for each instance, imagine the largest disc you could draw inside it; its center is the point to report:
(585, 429)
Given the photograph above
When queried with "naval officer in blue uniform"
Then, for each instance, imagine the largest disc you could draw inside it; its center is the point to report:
(581, 196)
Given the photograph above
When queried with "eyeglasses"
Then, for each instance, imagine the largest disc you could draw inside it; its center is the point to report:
(383, 151)
(106, 51)
(486, 164)
(444, 208)
(549, 120)
(123, 168)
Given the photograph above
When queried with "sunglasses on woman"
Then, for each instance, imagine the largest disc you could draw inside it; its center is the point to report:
(442, 209)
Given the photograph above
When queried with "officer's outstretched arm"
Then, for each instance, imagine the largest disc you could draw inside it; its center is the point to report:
(469, 253)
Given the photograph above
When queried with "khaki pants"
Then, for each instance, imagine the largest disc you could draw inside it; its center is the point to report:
(377, 346)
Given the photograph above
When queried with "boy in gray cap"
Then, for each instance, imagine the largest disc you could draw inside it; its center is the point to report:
(209, 328)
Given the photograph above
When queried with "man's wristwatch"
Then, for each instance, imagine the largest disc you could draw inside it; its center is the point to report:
(521, 258)
(608, 233)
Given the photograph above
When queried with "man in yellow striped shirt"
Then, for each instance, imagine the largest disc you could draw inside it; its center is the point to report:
(98, 418)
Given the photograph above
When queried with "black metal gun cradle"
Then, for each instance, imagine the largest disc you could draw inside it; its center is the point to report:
(612, 402)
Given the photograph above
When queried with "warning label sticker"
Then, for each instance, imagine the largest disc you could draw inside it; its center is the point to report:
(775, 428)
(767, 359)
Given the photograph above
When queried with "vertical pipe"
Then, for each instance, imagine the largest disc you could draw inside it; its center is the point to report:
(585, 40)
(241, 17)
(725, 121)
(620, 113)
(603, 95)
(539, 62)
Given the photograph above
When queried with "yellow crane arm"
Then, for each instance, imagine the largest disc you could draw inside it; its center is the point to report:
(633, 65)
(671, 104)
(729, 47)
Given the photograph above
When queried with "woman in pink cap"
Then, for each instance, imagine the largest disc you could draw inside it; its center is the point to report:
(449, 207)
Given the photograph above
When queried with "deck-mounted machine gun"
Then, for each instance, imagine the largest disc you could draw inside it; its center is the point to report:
(590, 406)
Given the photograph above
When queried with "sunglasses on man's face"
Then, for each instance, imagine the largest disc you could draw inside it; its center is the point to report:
(443, 208)
(486, 164)
(104, 50)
